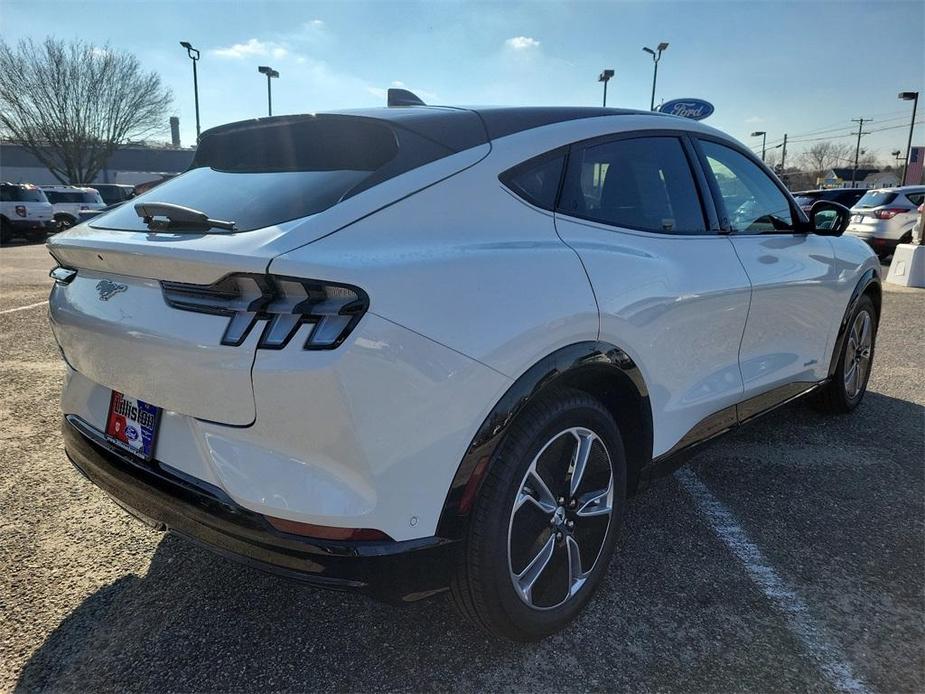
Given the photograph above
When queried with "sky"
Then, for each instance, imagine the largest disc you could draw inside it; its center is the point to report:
(802, 68)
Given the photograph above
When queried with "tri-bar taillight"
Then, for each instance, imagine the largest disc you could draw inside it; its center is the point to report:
(282, 303)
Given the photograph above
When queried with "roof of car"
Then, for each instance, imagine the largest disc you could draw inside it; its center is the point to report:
(457, 128)
(63, 188)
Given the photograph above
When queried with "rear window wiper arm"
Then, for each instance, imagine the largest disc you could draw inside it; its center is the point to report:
(154, 215)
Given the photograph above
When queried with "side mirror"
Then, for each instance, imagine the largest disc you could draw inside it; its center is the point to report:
(829, 218)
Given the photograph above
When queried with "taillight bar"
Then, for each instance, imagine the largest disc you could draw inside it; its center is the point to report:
(285, 303)
(890, 212)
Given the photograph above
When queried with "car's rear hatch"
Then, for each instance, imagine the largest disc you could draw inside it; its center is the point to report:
(284, 182)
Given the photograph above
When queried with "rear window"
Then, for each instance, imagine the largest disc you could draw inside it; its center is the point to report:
(876, 198)
(804, 200)
(20, 194)
(258, 176)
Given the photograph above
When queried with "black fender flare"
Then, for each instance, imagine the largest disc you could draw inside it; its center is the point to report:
(870, 277)
(557, 367)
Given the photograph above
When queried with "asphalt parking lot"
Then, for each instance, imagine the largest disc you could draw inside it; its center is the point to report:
(789, 556)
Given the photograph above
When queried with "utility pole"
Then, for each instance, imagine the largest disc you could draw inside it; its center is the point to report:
(783, 155)
(857, 151)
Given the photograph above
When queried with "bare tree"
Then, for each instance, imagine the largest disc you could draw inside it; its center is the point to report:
(826, 155)
(72, 104)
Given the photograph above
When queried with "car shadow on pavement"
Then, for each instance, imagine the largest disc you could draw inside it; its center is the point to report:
(674, 613)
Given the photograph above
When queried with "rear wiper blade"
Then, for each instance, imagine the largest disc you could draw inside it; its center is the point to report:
(165, 215)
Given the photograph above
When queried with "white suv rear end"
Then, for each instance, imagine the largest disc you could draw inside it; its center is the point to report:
(884, 218)
(69, 201)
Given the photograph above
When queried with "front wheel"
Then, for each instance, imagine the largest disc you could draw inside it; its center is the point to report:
(546, 520)
(848, 384)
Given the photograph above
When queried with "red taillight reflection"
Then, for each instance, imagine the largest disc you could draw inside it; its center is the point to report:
(889, 212)
(325, 532)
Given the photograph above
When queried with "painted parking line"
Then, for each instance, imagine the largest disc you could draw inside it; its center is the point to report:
(831, 661)
(23, 308)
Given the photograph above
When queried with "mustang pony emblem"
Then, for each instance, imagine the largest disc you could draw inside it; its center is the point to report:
(109, 289)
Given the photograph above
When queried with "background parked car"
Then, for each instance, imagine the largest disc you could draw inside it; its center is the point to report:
(68, 202)
(112, 193)
(90, 214)
(24, 211)
(843, 196)
(885, 217)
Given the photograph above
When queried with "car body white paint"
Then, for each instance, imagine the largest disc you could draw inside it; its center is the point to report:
(469, 287)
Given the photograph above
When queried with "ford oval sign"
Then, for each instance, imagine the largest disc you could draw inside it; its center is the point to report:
(695, 109)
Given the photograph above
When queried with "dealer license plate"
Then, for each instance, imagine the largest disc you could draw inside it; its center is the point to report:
(132, 425)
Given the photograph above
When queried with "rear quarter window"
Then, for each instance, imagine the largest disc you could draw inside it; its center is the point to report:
(537, 180)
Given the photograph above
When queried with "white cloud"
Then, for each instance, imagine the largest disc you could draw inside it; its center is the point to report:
(315, 24)
(754, 119)
(522, 43)
(252, 48)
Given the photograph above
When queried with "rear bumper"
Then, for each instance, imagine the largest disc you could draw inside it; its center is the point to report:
(878, 243)
(169, 500)
(26, 225)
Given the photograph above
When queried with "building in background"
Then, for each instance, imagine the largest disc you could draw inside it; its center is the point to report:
(130, 165)
(865, 178)
(915, 174)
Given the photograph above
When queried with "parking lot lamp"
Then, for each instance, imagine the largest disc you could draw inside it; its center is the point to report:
(764, 141)
(270, 73)
(914, 98)
(605, 78)
(656, 56)
(194, 56)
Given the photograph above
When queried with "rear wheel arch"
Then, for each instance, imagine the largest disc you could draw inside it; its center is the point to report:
(600, 369)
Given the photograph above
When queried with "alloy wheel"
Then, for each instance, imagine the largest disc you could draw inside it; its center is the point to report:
(560, 518)
(858, 353)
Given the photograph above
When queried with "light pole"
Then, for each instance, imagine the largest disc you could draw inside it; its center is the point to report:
(656, 56)
(764, 141)
(270, 73)
(190, 51)
(605, 78)
(914, 98)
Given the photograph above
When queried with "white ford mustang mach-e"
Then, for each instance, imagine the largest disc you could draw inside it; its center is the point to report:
(416, 348)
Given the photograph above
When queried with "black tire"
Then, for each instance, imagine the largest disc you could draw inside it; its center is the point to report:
(483, 589)
(64, 222)
(839, 396)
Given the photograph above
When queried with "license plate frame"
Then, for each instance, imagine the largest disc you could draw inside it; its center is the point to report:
(132, 425)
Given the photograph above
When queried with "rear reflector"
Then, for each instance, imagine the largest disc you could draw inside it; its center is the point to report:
(324, 532)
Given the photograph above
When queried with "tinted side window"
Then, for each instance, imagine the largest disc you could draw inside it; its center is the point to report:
(537, 180)
(916, 198)
(640, 183)
(753, 201)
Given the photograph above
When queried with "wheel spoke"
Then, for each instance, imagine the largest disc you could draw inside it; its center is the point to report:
(585, 440)
(527, 578)
(851, 379)
(536, 492)
(594, 503)
(865, 339)
(576, 577)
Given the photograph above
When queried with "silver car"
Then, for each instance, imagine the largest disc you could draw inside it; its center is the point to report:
(884, 217)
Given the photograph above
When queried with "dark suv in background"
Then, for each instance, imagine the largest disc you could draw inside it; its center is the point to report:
(843, 196)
